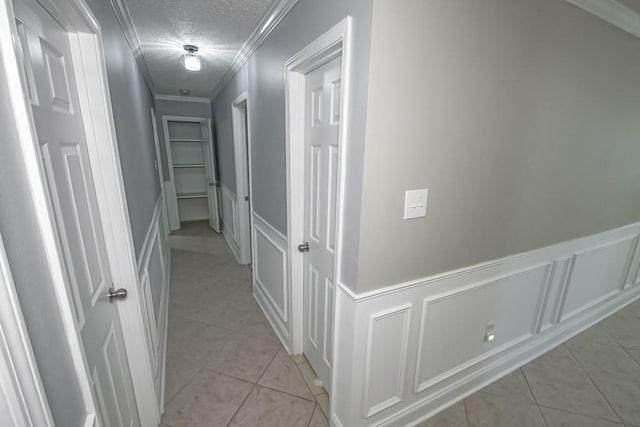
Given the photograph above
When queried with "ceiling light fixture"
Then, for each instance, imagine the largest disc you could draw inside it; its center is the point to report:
(191, 59)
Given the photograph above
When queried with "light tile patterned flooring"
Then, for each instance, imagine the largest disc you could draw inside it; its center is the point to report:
(226, 367)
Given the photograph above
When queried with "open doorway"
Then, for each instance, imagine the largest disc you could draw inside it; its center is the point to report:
(192, 187)
(240, 118)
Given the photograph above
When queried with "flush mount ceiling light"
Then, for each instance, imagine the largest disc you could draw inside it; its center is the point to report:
(184, 91)
(191, 59)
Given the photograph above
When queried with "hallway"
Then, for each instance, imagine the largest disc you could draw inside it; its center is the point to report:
(225, 366)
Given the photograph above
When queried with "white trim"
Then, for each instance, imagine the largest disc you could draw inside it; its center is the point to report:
(178, 98)
(96, 110)
(20, 383)
(124, 18)
(44, 215)
(559, 248)
(502, 364)
(370, 408)
(242, 160)
(97, 116)
(276, 12)
(283, 311)
(160, 170)
(266, 302)
(334, 43)
(157, 323)
(613, 12)
(271, 227)
(419, 386)
(209, 160)
(230, 227)
(537, 321)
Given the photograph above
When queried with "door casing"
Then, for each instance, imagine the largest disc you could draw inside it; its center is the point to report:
(242, 160)
(209, 159)
(334, 43)
(95, 106)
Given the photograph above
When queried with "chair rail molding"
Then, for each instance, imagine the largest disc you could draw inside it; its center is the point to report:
(405, 352)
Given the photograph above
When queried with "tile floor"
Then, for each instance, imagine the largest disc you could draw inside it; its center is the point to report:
(226, 367)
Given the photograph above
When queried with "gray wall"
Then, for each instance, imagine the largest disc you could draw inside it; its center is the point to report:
(176, 108)
(263, 77)
(522, 119)
(132, 102)
(28, 260)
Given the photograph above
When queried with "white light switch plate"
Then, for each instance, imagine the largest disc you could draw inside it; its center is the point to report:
(415, 203)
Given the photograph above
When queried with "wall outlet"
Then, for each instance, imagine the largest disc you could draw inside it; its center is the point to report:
(490, 332)
(415, 203)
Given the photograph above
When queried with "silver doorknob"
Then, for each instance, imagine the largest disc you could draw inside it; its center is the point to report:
(117, 294)
(304, 247)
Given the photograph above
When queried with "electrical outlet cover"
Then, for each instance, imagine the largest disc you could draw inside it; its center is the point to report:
(415, 203)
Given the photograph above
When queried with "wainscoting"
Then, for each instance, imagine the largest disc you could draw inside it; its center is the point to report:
(230, 220)
(153, 272)
(403, 353)
(271, 286)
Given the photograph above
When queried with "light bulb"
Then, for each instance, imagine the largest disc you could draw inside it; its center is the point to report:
(191, 59)
(192, 62)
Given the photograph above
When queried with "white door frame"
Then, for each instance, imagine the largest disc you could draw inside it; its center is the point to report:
(160, 169)
(242, 160)
(97, 116)
(334, 43)
(171, 195)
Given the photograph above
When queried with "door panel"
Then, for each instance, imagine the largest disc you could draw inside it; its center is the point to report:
(65, 159)
(322, 106)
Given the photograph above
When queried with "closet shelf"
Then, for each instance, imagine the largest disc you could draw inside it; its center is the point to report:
(192, 195)
(189, 165)
(185, 140)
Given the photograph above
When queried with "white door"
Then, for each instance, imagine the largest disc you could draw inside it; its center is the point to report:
(212, 183)
(322, 120)
(49, 70)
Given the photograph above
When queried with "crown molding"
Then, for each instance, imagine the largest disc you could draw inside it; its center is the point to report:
(276, 12)
(124, 18)
(613, 12)
(182, 98)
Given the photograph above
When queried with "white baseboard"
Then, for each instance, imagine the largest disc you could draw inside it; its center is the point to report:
(228, 237)
(405, 352)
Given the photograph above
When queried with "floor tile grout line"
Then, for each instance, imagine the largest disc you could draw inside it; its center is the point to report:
(594, 384)
(268, 365)
(288, 393)
(535, 400)
(526, 380)
(579, 414)
(466, 411)
(312, 414)
(184, 386)
(241, 404)
(544, 420)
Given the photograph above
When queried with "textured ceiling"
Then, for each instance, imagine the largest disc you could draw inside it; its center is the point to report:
(218, 27)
